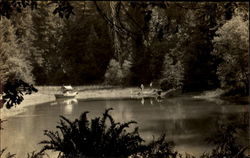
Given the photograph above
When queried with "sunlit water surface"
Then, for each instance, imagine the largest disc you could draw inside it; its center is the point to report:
(185, 120)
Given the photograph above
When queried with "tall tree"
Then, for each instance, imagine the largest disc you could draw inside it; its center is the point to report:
(88, 48)
(14, 64)
(232, 47)
(48, 33)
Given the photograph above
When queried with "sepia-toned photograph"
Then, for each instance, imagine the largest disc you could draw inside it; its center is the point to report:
(124, 79)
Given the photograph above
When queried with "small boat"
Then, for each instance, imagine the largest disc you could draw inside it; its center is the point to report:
(66, 92)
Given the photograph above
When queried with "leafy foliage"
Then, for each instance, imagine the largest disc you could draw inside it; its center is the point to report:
(102, 137)
(93, 138)
(29, 155)
(14, 91)
(8, 155)
(231, 46)
(73, 51)
(173, 74)
(46, 57)
(34, 154)
(225, 142)
(13, 61)
(117, 74)
(167, 42)
(160, 148)
(8, 8)
(63, 9)
(15, 70)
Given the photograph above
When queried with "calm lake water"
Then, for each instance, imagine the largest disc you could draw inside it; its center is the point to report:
(185, 120)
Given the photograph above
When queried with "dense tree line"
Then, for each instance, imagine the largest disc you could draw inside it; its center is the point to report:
(192, 46)
(173, 43)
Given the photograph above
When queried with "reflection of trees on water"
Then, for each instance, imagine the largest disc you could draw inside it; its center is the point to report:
(176, 116)
(241, 114)
(185, 119)
(152, 100)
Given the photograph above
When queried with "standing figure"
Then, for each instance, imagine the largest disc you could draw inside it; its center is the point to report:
(151, 84)
(142, 87)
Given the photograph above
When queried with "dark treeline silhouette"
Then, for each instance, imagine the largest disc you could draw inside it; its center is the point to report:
(176, 44)
(192, 46)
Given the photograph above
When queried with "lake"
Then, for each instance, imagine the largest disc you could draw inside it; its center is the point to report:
(185, 120)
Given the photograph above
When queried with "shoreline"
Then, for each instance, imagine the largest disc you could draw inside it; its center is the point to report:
(93, 93)
(46, 94)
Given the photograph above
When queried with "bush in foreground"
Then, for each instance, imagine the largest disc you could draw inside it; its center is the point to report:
(226, 142)
(102, 137)
(33, 154)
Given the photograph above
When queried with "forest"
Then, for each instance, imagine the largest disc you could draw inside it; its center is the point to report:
(187, 45)
(191, 46)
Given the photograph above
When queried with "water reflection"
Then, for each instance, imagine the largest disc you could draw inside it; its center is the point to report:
(67, 104)
(152, 100)
(142, 101)
(185, 120)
